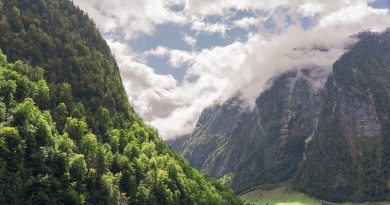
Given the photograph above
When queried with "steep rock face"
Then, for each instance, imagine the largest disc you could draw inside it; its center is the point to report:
(177, 143)
(331, 143)
(348, 157)
(212, 131)
(274, 136)
(252, 145)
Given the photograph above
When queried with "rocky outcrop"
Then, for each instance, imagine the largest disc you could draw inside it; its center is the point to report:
(348, 158)
(332, 142)
(177, 143)
(212, 132)
(254, 144)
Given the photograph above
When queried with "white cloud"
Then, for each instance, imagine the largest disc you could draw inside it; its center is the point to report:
(350, 15)
(310, 9)
(222, 7)
(177, 58)
(247, 22)
(201, 26)
(189, 40)
(133, 17)
(160, 51)
(173, 106)
(141, 82)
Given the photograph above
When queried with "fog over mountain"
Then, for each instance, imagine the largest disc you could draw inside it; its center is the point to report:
(177, 57)
(330, 142)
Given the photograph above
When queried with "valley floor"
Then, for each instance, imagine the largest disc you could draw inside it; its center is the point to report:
(285, 196)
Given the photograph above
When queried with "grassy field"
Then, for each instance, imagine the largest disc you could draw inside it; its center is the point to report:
(285, 196)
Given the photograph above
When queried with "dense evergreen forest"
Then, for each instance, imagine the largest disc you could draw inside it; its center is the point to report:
(67, 132)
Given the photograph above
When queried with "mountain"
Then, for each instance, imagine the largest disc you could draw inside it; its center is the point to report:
(68, 134)
(351, 142)
(331, 142)
(217, 122)
(251, 145)
(177, 143)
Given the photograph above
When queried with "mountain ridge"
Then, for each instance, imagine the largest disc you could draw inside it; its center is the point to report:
(294, 134)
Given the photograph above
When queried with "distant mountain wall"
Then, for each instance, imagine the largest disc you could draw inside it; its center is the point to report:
(331, 143)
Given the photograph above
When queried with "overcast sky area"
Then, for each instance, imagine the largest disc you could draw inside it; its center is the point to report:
(179, 56)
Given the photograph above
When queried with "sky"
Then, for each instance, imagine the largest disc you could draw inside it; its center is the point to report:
(177, 57)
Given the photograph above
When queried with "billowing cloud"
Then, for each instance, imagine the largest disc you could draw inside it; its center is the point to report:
(131, 17)
(310, 9)
(276, 41)
(190, 40)
(177, 58)
(201, 26)
(247, 22)
(358, 13)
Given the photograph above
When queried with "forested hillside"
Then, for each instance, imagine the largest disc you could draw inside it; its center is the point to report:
(67, 132)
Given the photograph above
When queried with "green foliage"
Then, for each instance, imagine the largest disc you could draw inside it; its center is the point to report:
(111, 188)
(78, 110)
(60, 116)
(78, 168)
(89, 146)
(286, 196)
(69, 136)
(75, 128)
(3, 112)
(42, 94)
(64, 144)
(63, 41)
(7, 90)
(11, 141)
(3, 58)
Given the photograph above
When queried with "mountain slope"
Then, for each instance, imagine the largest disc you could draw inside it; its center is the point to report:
(255, 144)
(60, 38)
(331, 143)
(352, 137)
(211, 134)
(67, 132)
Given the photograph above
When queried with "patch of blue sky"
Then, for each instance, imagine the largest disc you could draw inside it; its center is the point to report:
(177, 7)
(239, 14)
(212, 19)
(233, 34)
(380, 4)
(204, 41)
(230, 16)
(171, 35)
(168, 35)
(161, 66)
(307, 22)
(272, 27)
(207, 40)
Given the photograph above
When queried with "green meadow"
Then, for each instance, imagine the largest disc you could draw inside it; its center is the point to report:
(285, 196)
